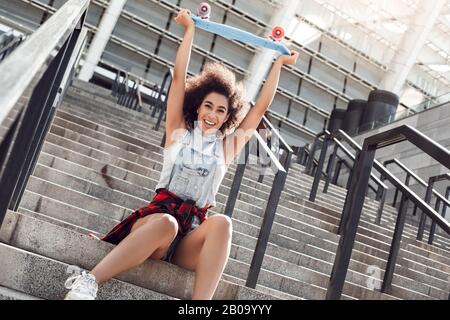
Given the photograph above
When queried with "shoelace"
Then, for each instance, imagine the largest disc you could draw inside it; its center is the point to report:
(82, 283)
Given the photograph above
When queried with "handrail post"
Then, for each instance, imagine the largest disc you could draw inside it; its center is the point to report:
(159, 103)
(395, 245)
(394, 202)
(379, 193)
(269, 216)
(345, 214)
(350, 175)
(352, 208)
(381, 205)
(115, 84)
(306, 158)
(238, 175)
(331, 163)
(423, 216)
(301, 155)
(312, 153)
(337, 172)
(318, 174)
(437, 205)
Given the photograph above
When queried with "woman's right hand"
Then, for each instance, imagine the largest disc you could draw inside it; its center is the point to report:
(184, 18)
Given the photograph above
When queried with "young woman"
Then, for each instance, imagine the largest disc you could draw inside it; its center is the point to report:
(175, 226)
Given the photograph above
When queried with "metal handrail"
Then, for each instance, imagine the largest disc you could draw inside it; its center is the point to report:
(278, 184)
(421, 228)
(352, 157)
(333, 137)
(355, 146)
(32, 55)
(415, 177)
(355, 200)
(284, 144)
(34, 79)
(349, 168)
(162, 105)
(312, 153)
(280, 137)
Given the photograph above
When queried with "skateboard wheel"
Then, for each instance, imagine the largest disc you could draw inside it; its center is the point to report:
(278, 33)
(204, 10)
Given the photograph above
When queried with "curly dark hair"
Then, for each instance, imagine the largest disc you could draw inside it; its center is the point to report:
(215, 77)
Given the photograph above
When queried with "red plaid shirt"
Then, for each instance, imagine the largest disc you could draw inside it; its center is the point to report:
(163, 202)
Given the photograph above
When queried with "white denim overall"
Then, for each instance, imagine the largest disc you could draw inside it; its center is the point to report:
(193, 168)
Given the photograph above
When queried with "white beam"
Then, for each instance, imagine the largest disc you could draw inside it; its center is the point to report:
(413, 41)
(101, 38)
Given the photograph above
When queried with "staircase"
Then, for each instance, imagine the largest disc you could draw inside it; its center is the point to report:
(101, 161)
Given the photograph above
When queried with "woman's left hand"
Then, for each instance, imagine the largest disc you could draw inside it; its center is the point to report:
(289, 59)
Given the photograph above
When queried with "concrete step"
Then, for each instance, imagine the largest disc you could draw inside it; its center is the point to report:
(10, 294)
(64, 245)
(29, 234)
(68, 111)
(255, 231)
(109, 136)
(86, 101)
(89, 118)
(92, 88)
(49, 206)
(266, 275)
(44, 278)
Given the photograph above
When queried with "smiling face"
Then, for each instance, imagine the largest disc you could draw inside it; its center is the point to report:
(213, 112)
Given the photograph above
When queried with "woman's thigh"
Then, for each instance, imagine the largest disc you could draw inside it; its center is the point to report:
(161, 250)
(188, 250)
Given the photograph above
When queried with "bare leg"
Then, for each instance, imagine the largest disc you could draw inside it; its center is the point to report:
(206, 252)
(150, 236)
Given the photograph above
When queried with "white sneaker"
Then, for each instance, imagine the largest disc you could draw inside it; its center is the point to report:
(82, 287)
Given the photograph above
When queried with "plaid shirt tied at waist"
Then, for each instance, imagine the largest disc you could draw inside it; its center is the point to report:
(163, 202)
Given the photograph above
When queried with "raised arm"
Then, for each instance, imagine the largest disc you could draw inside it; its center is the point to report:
(234, 143)
(175, 99)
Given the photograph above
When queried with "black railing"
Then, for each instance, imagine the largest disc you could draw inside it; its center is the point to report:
(356, 195)
(127, 96)
(338, 169)
(34, 78)
(423, 217)
(334, 138)
(281, 170)
(161, 104)
(302, 155)
(439, 197)
(127, 89)
(312, 153)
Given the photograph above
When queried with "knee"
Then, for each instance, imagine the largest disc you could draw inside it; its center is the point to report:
(221, 223)
(168, 225)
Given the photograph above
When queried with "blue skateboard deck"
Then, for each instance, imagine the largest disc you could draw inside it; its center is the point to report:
(232, 33)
